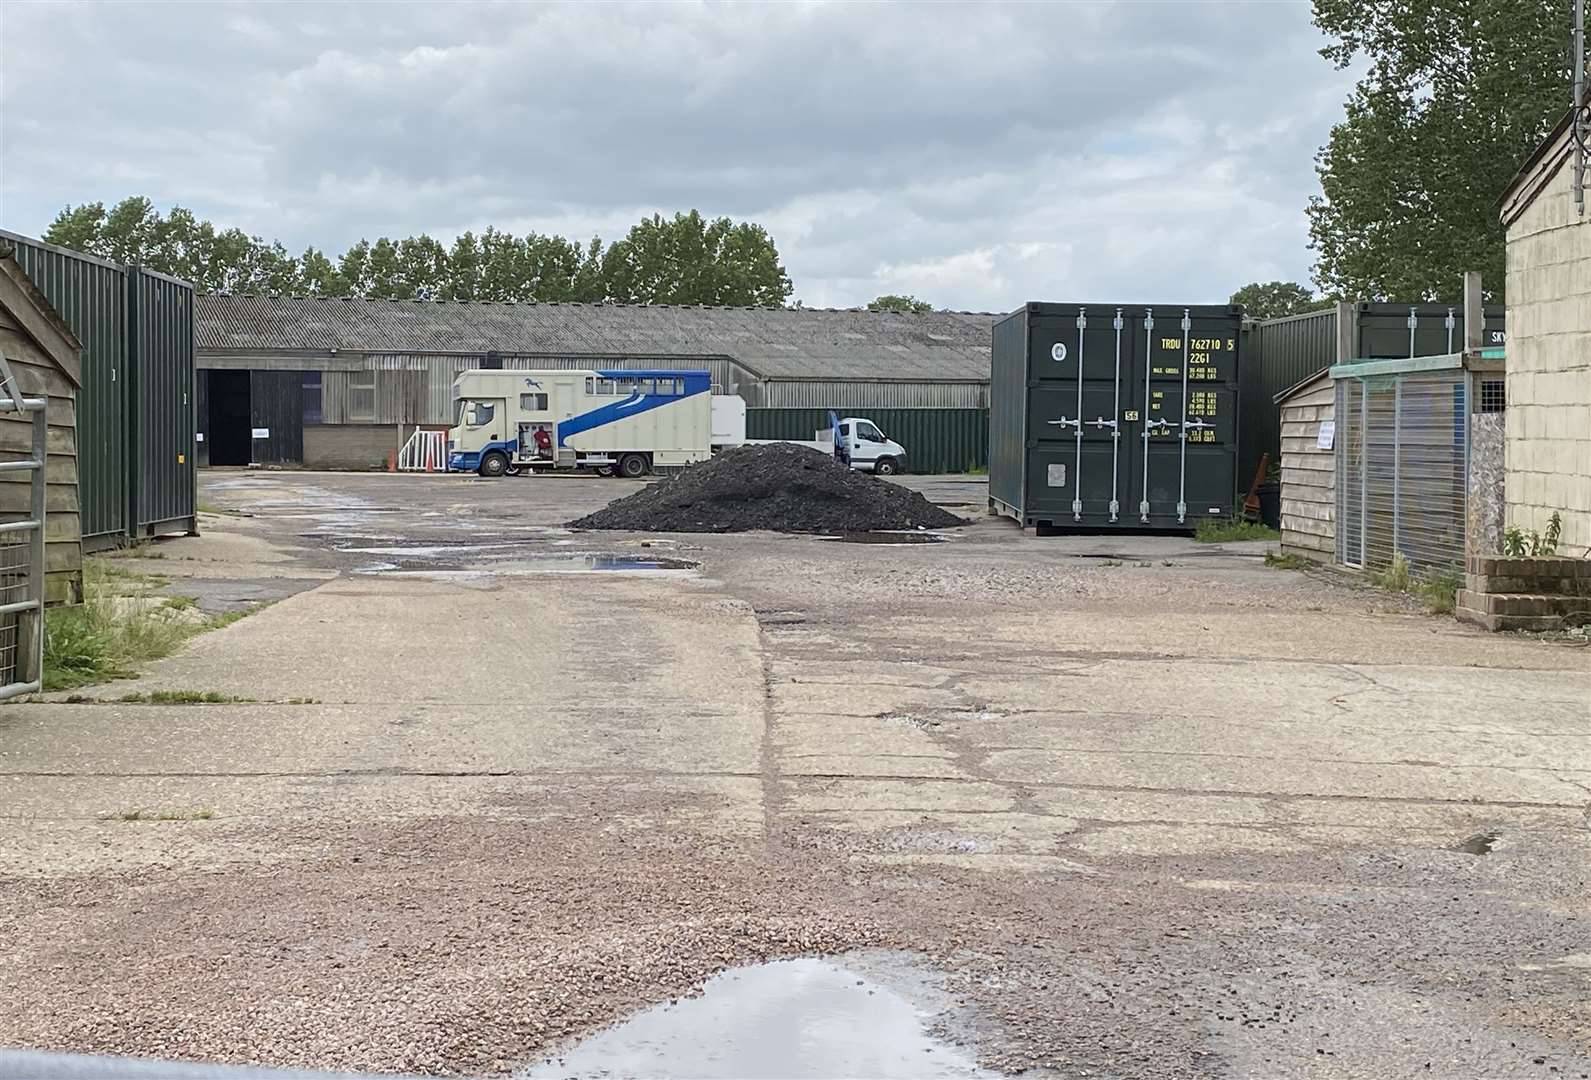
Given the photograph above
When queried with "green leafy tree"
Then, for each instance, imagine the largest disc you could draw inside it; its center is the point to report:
(690, 260)
(1458, 94)
(683, 260)
(898, 302)
(1273, 299)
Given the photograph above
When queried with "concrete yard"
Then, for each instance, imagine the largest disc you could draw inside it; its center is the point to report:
(1133, 806)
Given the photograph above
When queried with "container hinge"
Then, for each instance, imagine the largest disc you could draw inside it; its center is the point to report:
(1115, 509)
(1101, 422)
(1187, 323)
(1063, 422)
(1182, 513)
(1149, 320)
(1117, 323)
(1151, 425)
(1188, 425)
(1082, 321)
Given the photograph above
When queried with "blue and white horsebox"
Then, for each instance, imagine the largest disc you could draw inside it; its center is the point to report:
(629, 422)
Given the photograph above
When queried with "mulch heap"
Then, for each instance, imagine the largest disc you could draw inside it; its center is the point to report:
(780, 487)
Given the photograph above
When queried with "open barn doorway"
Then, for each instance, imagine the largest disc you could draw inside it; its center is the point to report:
(230, 430)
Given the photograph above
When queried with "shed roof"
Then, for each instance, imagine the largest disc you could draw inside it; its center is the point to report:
(1539, 167)
(776, 343)
(38, 317)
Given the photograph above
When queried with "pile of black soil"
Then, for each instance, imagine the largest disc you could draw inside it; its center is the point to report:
(781, 487)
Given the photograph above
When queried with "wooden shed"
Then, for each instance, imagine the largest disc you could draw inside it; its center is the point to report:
(1309, 467)
(45, 356)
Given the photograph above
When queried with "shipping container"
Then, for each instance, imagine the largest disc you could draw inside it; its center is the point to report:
(162, 471)
(1280, 353)
(91, 297)
(1114, 417)
(936, 440)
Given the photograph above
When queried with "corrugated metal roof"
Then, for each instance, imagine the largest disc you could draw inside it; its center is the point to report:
(773, 342)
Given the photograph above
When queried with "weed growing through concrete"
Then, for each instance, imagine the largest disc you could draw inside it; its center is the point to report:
(1438, 587)
(139, 813)
(121, 623)
(1287, 561)
(1230, 530)
(181, 697)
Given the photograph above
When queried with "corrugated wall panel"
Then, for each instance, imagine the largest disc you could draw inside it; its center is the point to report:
(1008, 411)
(936, 440)
(163, 473)
(864, 394)
(91, 295)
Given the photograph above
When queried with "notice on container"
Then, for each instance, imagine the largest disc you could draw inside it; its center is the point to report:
(1328, 435)
(1057, 476)
(262, 433)
(1058, 352)
(198, 436)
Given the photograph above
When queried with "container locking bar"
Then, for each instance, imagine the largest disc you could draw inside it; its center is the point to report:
(1114, 422)
(1149, 425)
(1182, 477)
(1077, 461)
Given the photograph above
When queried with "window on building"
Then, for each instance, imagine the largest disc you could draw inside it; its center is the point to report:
(362, 397)
(534, 402)
(1494, 395)
(312, 398)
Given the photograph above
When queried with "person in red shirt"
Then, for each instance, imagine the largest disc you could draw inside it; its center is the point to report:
(543, 439)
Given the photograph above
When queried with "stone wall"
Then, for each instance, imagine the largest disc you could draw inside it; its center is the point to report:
(1487, 502)
(1548, 446)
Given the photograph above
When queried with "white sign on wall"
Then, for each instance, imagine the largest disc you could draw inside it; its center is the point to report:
(1327, 436)
(262, 433)
(1057, 476)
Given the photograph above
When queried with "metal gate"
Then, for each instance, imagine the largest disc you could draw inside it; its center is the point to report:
(22, 553)
(1402, 466)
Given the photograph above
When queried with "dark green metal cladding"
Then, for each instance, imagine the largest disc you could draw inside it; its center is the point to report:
(1119, 417)
(936, 440)
(136, 472)
(91, 296)
(163, 472)
(1281, 353)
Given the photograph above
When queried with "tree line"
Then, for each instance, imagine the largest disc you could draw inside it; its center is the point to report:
(686, 259)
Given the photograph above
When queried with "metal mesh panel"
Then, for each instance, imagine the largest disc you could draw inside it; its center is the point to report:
(1350, 472)
(14, 585)
(1493, 396)
(1402, 448)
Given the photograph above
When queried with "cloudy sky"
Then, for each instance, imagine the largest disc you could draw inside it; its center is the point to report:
(977, 156)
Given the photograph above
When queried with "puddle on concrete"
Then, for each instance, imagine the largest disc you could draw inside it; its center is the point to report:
(1479, 844)
(791, 1019)
(551, 563)
(885, 538)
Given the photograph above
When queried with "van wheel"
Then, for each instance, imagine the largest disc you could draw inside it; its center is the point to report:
(631, 466)
(885, 466)
(494, 464)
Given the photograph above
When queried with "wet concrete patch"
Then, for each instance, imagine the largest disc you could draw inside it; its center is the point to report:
(1479, 844)
(795, 1019)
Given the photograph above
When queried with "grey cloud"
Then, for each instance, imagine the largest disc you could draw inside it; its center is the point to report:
(979, 154)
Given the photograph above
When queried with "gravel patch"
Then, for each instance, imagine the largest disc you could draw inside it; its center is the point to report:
(466, 946)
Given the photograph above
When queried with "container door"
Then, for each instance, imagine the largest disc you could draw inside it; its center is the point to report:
(1175, 481)
(1079, 383)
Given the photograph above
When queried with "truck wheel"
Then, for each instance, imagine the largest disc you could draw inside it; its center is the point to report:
(885, 466)
(631, 466)
(494, 464)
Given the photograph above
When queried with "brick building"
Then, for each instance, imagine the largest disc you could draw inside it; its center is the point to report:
(1548, 440)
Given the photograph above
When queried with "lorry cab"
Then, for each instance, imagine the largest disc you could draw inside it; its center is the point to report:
(870, 450)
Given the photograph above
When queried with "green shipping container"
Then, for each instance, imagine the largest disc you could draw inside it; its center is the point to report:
(135, 409)
(91, 296)
(1280, 353)
(936, 440)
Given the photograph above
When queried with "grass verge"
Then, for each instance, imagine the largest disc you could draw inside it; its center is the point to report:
(1287, 561)
(121, 624)
(1230, 530)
